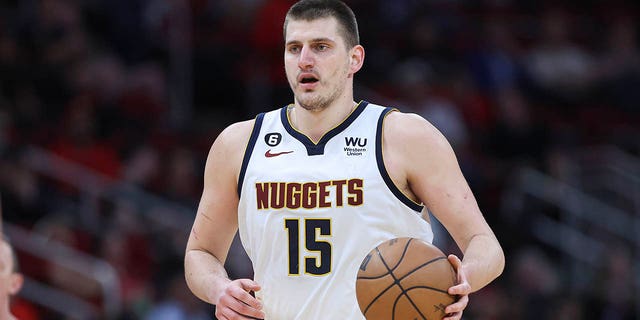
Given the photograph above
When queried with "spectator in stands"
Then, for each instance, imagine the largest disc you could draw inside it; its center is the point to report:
(10, 278)
(618, 67)
(537, 280)
(176, 302)
(613, 288)
(558, 67)
(413, 79)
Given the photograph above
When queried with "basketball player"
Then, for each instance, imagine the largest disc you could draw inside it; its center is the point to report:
(314, 186)
(10, 279)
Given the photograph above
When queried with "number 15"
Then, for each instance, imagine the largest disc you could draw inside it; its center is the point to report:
(313, 229)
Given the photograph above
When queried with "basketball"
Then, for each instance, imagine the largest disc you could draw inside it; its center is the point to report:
(405, 278)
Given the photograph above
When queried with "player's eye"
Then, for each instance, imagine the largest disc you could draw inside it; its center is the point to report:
(294, 49)
(322, 47)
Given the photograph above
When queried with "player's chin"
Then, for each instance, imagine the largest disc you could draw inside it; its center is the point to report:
(307, 94)
(310, 101)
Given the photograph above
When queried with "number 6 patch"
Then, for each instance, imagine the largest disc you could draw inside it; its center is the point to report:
(272, 139)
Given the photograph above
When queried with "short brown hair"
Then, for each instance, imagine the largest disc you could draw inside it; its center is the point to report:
(310, 10)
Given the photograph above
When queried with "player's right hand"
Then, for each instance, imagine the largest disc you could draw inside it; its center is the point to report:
(462, 289)
(236, 302)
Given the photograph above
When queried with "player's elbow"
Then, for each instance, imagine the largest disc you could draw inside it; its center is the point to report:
(501, 262)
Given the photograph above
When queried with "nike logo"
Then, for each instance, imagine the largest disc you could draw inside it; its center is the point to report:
(268, 154)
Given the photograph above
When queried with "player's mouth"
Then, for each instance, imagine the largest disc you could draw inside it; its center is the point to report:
(307, 81)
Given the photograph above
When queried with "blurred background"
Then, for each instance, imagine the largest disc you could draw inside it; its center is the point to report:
(108, 109)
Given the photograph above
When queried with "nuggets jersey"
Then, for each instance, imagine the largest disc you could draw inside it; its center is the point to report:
(309, 213)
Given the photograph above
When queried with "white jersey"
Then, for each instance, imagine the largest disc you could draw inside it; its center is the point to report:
(309, 213)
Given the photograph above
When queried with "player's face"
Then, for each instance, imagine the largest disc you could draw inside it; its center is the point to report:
(316, 61)
(10, 282)
(5, 269)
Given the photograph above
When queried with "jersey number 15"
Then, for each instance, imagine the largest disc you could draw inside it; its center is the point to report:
(314, 231)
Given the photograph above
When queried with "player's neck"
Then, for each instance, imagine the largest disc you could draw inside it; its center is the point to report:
(5, 312)
(315, 123)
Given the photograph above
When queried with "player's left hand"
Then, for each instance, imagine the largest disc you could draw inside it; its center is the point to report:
(462, 290)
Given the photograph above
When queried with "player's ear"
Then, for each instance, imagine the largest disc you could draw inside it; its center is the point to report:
(356, 58)
(15, 283)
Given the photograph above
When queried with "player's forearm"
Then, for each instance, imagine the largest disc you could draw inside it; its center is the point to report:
(204, 274)
(483, 261)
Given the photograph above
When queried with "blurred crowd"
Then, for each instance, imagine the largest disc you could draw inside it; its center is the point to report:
(137, 90)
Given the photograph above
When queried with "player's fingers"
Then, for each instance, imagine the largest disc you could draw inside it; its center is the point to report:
(229, 312)
(457, 306)
(249, 285)
(221, 313)
(246, 298)
(460, 289)
(455, 316)
(462, 286)
(230, 315)
(246, 310)
(455, 262)
(236, 302)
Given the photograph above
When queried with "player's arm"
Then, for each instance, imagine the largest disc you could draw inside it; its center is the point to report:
(431, 172)
(214, 227)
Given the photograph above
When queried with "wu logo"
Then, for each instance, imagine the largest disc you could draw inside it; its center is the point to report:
(351, 141)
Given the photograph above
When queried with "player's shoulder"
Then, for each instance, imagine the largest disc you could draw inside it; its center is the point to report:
(401, 117)
(241, 131)
(413, 137)
(228, 145)
(402, 126)
(236, 133)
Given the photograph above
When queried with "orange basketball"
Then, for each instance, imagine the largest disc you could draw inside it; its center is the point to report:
(405, 278)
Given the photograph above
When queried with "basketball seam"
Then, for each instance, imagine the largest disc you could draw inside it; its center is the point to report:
(404, 292)
(409, 289)
(389, 272)
(410, 272)
(404, 252)
(427, 287)
(398, 281)
(422, 265)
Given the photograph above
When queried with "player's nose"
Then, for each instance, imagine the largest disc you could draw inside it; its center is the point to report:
(306, 59)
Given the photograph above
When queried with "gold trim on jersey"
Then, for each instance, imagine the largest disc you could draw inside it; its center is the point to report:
(290, 108)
